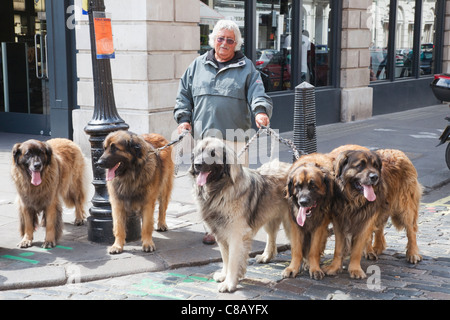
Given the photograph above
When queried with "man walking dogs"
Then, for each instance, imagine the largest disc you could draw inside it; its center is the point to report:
(219, 92)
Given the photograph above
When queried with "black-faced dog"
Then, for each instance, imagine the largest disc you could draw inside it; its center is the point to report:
(310, 189)
(137, 176)
(45, 173)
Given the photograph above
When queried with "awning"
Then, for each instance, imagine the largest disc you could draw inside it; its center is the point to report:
(208, 15)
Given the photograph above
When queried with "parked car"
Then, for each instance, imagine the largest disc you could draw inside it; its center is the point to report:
(276, 74)
(263, 57)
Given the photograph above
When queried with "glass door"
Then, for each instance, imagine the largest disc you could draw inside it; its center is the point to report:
(24, 103)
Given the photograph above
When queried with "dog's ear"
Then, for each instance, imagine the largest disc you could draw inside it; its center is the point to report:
(340, 162)
(290, 188)
(328, 180)
(16, 152)
(134, 147)
(378, 160)
(48, 153)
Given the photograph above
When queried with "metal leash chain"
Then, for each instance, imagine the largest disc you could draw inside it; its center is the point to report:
(269, 131)
(178, 150)
(180, 137)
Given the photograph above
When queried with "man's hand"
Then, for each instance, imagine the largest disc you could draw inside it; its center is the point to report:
(184, 126)
(262, 119)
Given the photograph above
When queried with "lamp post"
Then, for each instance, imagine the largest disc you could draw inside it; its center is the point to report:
(104, 121)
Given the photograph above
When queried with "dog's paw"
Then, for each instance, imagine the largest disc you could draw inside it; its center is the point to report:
(79, 222)
(114, 249)
(162, 227)
(148, 247)
(290, 272)
(371, 255)
(48, 244)
(227, 286)
(331, 271)
(25, 243)
(219, 276)
(263, 258)
(413, 258)
(357, 273)
(316, 274)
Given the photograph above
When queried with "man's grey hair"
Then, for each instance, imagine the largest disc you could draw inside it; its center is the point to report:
(229, 25)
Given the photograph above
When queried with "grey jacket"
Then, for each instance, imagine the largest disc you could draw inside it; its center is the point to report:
(212, 99)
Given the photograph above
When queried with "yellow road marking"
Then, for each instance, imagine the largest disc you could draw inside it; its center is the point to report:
(440, 202)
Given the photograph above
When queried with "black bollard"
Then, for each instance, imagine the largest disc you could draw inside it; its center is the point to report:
(104, 121)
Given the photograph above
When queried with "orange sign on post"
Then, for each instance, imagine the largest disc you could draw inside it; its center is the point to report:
(103, 37)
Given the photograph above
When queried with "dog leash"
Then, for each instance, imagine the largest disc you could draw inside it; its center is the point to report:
(177, 140)
(178, 149)
(270, 132)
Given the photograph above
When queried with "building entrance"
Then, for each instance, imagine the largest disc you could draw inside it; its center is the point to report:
(24, 72)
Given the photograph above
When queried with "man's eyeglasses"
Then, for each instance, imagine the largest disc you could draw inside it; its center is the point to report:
(222, 39)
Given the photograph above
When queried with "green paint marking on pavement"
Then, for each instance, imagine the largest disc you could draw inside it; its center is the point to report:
(190, 278)
(59, 247)
(7, 256)
(177, 275)
(65, 248)
(203, 279)
(26, 254)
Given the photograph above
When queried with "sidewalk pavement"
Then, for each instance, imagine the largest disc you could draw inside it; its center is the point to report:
(75, 258)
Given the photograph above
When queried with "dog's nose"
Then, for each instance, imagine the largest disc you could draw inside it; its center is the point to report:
(198, 166)
(100, 163)
(304, 202)
(373, 177)
(37, 166)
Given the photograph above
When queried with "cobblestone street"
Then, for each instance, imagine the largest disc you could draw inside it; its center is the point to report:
(390, 277)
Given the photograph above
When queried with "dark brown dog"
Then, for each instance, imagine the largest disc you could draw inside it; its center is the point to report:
(44, 172)
(402, 200)
(310, 190)
(359, 193)
(137, 175)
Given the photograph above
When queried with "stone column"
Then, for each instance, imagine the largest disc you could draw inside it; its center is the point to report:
(155, 41)
(356, 96)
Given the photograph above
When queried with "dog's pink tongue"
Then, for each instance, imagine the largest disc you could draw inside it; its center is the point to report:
(369, 193)
(301, 216)
(202, 177)
(111, 173)
(36, 178)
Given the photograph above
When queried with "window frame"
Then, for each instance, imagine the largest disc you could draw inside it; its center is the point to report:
(438, 41)
(334, 41)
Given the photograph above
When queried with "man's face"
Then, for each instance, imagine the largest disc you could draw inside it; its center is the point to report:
(224, 50)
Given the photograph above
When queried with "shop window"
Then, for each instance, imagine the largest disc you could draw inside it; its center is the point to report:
(404, 38)
(380, 36)
(316, 48)
(428, 34)
(412, 50)
(273, 44)
(272, 33)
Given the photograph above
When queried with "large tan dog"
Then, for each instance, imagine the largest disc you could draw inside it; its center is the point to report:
(44, 173)
(137, 176)
(310, 190)
(235, 202)
(403, 193)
